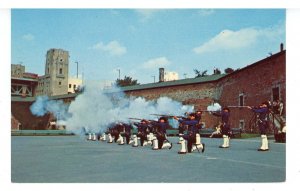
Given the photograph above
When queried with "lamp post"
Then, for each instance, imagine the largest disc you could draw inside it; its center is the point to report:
(77, 68)
(119, 72)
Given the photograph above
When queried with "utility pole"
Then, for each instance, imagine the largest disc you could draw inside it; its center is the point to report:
(119, 73)
(154, 78)
(77, 68)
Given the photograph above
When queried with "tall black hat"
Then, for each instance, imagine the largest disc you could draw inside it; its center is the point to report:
(226, 108)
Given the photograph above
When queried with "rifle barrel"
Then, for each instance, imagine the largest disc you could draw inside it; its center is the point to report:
(163, 115)
(134, 118)
(233, 106)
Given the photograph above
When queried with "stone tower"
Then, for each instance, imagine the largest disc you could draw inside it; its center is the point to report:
(55, 80)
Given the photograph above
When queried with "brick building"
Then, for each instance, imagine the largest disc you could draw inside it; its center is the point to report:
(261, 81)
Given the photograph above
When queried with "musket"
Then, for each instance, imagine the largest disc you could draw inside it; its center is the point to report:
(133, 118)
(169, 116)
(236, 106)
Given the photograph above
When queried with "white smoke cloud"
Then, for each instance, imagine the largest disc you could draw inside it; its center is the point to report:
(95, 109)
(214, 107)
(43, 105)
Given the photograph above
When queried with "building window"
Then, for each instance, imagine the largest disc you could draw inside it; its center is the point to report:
(241, 99)
(59, 83)
(60, 71)
(74, 86)
(70, 85)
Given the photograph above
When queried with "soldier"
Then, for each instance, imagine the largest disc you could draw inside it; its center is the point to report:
(128, 128)
(262, 112)
(191, 122)
(142, 131)
(198, 116)
(160, 129)
(225, 127)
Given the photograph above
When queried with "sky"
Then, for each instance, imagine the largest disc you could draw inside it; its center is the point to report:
(29, 42)
(140, 41)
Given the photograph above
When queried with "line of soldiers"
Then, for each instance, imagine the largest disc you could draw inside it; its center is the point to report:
(149, 132)
(154, 132)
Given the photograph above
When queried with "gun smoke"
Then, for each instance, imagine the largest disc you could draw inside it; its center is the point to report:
(95, 109)
(214, 107)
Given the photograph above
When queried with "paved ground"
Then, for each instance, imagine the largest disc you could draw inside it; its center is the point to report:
(73, 159)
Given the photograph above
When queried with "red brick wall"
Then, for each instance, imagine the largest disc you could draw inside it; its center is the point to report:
(255, 82)
(21, 112)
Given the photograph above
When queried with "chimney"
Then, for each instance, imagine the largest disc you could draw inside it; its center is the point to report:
(281, 47)
(161, 74)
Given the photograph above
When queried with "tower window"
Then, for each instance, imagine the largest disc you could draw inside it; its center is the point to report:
(70, 85)
(59, 83)
(60, 71)
(74, 86)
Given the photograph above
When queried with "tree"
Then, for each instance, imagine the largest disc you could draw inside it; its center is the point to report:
(228, 70)
(217, 71)
(127, 81)
(199, 73)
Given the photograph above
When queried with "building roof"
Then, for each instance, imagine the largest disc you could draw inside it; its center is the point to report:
(204, 79)
(25, 79)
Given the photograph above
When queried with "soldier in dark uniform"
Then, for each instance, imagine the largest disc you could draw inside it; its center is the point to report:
(161, 131)
(116, 130)
(262, 112)
(193, 129)
(225, 127)
(142, 130)
(127, 134)
(198, 116)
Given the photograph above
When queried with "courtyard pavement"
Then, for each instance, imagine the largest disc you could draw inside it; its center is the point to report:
(70, 159)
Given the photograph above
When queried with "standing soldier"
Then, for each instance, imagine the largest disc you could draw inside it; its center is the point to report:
(262, 112)
(198, 116)
(225, 127)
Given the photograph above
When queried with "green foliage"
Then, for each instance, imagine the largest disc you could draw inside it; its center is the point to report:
(228, 70)
(198, 73)
(127, 81)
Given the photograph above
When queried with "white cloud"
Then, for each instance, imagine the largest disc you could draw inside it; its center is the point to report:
(28, 37)
(206, 12)
(114, 48)
(156, 63)
(147, 13)
(228, 39)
